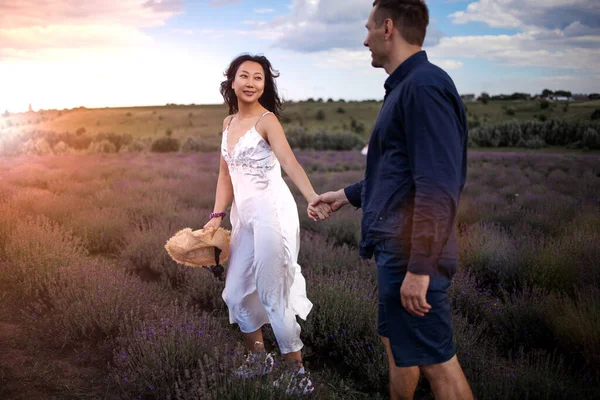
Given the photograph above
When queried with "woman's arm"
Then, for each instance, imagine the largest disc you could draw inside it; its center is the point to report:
(280, 146)
(224, 193)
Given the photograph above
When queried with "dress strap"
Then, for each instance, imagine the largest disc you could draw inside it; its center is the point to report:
(230, 119)
(261, 117)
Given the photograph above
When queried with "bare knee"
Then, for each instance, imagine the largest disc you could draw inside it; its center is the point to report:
(441, 371)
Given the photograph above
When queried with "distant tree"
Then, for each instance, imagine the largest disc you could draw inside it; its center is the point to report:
(310, 100)
(594, 96)
(6, 114)
(342, 100)
(520, 96)
(563, 93)
(320, 100)
(547, 92)
(484, 98)
(330, 100)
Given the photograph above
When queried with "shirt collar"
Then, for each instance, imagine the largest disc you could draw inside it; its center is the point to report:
(403, 69)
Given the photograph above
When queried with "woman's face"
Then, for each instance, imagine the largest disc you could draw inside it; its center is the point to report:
(249, 82)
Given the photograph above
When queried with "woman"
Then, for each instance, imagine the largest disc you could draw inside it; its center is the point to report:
(264, 282)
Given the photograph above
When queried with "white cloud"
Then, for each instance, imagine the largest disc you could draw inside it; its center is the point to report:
(318, 25)
(549, 14)
(521, 50)
(31, 27)
(218, 3)
(360, 60)
(552, 34)
(264, 10)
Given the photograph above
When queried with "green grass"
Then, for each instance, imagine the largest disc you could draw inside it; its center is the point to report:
(205, 121)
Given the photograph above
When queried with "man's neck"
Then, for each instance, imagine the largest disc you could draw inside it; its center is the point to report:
(399, 56)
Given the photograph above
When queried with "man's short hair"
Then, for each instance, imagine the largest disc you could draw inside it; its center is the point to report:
(411, 17)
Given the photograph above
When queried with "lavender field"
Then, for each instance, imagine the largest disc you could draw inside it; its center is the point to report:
(92, 307)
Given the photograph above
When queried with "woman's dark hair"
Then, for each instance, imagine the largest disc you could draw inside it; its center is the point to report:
(269, 99)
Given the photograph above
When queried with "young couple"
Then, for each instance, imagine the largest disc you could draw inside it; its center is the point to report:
(416, 168)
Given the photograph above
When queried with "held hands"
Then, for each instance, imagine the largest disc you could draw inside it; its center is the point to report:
(335, 200)
(317, 210)
(413, 294)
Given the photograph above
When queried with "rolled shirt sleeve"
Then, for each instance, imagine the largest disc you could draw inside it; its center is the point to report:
(354, 193)
(435, 147)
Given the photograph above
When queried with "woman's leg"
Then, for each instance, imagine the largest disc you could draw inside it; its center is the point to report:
(271, 277)
(254, 341)
(243, 302)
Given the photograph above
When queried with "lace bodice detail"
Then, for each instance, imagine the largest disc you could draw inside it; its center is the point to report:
(251, 154)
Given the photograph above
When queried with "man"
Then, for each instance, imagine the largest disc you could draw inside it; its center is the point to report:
(416, 169)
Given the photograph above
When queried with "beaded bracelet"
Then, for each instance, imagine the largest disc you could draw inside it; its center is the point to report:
(217, 214)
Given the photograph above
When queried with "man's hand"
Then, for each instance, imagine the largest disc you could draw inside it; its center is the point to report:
(319, 212)
(413, 294)
(335, 199)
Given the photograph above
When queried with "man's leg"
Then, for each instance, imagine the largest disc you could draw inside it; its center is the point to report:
(403, 380)
(448, 382)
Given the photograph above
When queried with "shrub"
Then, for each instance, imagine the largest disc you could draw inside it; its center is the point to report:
(591, 139)
(340, 110)
(165, 145)
(102, 146)
(36, 147)
(117, 139)
(342, 326)
(544, 104)
(190, 145)
(61, 148)
(137, 145)
(37, 250)
(575, 322)
(90, 301)
(320, 116)
(595, 115)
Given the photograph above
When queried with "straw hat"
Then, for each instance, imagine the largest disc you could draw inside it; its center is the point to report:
(206, 248)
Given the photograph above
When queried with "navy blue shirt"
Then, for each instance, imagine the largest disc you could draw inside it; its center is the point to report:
(416, 168)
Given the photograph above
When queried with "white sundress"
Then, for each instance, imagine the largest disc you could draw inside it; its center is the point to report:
(264, 282)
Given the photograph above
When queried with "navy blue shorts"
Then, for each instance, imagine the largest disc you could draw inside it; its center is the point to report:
(414, 340)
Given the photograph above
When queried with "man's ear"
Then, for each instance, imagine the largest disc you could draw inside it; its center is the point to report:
(388, 26)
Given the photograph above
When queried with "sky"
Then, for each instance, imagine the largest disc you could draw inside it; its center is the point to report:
(57, 54)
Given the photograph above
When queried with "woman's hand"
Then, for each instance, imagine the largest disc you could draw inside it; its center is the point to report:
(214, 223)
(319, 211)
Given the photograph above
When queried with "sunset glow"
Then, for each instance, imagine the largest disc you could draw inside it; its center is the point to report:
(67, 53)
